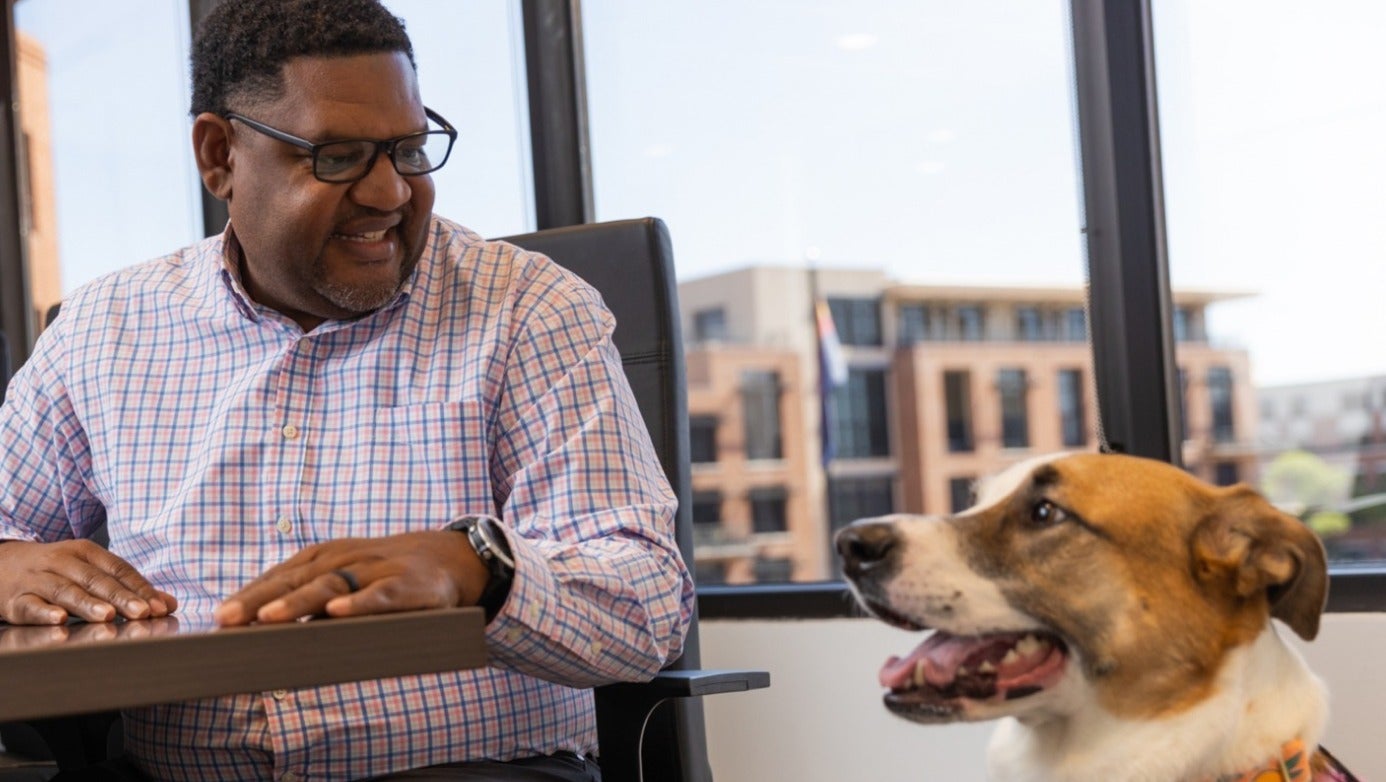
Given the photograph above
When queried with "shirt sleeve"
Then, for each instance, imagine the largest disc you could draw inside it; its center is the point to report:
(44, 495)
(601, 592)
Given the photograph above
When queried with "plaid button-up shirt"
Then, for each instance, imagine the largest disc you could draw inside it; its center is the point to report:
(214, 439)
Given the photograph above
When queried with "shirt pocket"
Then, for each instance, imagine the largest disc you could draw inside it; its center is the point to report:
(417, 466)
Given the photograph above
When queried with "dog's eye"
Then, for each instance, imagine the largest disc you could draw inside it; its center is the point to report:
(1046, 514)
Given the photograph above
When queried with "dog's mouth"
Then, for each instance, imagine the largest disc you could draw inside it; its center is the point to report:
(937, 681)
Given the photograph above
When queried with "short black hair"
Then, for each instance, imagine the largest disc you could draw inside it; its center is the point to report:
(241, 47)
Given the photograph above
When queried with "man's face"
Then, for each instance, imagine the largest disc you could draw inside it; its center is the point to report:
(316, 250)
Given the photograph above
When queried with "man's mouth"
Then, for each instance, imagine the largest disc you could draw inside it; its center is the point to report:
(935, 682)
(364, 236)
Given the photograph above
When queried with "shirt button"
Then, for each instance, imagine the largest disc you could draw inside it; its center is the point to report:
(284, 525)
(288, 776)
(513, 635)
(290, 432)
(280, 695)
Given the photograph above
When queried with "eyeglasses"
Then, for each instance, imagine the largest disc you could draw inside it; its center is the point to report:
(348, 160)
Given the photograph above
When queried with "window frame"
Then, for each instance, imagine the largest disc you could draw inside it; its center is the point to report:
(1130, 316)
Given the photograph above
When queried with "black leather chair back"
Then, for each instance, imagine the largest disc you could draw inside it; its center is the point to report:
(631, 263)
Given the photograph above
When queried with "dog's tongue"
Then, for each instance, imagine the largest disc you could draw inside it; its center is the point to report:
(940, 656)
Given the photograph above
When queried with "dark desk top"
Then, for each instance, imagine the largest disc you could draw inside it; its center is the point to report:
(80, 667)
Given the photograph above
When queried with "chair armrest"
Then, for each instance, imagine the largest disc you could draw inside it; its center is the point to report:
(624, 708)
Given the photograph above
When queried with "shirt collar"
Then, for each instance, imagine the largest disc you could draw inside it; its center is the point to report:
(230, 267)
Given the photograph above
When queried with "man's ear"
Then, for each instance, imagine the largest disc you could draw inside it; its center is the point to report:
(1255, 551)
(211, 138)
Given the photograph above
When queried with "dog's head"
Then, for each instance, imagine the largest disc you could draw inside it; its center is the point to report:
(1081, 577)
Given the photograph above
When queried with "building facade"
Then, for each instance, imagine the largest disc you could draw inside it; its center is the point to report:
(944, 385)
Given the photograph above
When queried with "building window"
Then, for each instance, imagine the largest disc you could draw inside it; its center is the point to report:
(1183, 404)
(850, 499)
(1181, 324)
(709, 572)
(1220, 398)
(858, 321)
(1015, 420)
(1075, 325)
(914, 323)
(710, 325)
(1028, 325)
(969, 321)
(957, 396)
(760, 404)
(702, 439)
(960, 496)
(707, 508)
(768, 510)
(1073, 423)
(773, 570)
(1226, 473)
(859, 415)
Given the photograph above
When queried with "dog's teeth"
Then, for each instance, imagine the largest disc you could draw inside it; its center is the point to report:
(963, 671)
(986, 667)
(919, 673)
(1011, 657)
(1028, 645)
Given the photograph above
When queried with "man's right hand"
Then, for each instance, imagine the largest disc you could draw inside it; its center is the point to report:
(44, 583)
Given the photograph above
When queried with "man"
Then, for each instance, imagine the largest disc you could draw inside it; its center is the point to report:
(282, 421)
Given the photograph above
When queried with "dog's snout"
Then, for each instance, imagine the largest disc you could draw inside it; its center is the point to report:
(865, 545)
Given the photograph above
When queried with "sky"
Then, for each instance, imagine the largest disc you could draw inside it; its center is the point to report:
(929, 138)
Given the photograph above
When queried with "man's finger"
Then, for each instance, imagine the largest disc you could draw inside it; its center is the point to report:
(157, 602)
(30, 609)
(73, 597)
(311, 598)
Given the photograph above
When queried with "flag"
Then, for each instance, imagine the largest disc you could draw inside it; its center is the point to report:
(832, 372)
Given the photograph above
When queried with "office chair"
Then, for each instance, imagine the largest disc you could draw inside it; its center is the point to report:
(631, 263)
(650, 730)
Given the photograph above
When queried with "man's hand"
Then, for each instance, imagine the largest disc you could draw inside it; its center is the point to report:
(44, 583)
(405, 572)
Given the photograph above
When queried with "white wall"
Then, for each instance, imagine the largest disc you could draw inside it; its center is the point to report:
(822, 718)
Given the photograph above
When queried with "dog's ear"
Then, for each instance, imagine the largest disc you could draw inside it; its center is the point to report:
(1252, 548)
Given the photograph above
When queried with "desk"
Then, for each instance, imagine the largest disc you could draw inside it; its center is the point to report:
(80, 668)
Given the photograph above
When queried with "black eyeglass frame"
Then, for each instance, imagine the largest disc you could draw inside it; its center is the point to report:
(388, 146)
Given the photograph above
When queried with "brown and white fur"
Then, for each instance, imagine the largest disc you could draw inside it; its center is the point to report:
(1148, 595)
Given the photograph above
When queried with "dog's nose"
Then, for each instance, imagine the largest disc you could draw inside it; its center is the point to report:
(865, 544)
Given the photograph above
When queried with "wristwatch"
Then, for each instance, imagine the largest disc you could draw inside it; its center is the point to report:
(490, 545)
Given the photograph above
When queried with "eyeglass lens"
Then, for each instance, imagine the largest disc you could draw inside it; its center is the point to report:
(417, 154)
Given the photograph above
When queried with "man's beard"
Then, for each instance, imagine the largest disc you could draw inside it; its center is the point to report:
(362, 299)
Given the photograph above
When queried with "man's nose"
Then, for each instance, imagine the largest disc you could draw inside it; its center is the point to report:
(382, 187)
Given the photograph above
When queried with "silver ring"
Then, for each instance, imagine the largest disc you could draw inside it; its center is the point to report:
(352, 584)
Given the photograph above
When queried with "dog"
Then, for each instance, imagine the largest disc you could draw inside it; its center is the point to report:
(1116, 612)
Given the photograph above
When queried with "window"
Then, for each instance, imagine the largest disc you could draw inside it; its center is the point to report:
(1226, 473)
(702, 436)
(1075, 325)
(707, 508)
(1028, 325)
(969, 323)
(741, 160)
(773, 570)
(1073, 424)
(1181, 324)
(760, 400)
(710, 325)
(858, 321)
(859, 415)
(768, 510)
(1243, 231)
(914, 323)
(957, 397)
(1220, 399)
(709, 572)
(960, 493)
(1183, 382)
(850, 499)
(1015, 419)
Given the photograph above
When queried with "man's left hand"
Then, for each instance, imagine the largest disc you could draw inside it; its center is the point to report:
(357, 576)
